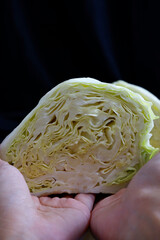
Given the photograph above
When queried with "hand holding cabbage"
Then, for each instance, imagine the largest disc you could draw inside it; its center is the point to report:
(133, 212)
(85, 136)
(26, 217)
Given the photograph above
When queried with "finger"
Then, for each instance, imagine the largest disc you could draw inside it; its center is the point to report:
(3, 163)
(111, 200)
(36, 201)
(57, 202)
(51, 202)
(62, 195)
(87, 199)
(147, 176)
(12, 182)
(106, 216)
(151, 165)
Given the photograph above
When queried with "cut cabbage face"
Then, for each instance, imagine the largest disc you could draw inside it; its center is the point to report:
(84, 136)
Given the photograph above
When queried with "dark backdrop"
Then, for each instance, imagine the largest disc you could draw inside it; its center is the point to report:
(46, 42)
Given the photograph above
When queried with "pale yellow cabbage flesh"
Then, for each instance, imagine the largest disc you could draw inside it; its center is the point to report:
(83, 136)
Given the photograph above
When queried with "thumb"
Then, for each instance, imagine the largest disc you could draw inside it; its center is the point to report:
(12, 182)
(106, 216)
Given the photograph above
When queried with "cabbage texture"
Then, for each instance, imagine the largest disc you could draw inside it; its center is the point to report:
(85, 136)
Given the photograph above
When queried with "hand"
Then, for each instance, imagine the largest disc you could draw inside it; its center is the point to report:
(134, 212)
(24, 217)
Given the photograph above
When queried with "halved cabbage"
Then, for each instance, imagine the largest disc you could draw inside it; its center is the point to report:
(83, 136)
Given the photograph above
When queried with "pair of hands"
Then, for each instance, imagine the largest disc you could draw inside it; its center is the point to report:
(132, 213)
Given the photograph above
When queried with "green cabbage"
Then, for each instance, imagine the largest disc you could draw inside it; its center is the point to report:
(83, 136)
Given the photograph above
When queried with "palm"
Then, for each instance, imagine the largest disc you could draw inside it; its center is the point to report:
(30, 217)
(66, 218)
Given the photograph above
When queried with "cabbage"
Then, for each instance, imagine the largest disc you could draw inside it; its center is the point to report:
(83, 136)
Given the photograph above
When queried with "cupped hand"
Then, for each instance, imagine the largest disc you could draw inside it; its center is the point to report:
(24, 217)
(133, 212)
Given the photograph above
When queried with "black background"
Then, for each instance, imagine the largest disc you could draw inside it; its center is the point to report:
(47, 42)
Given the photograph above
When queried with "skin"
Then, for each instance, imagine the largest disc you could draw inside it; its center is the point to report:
(134, 212)
(24, 217)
